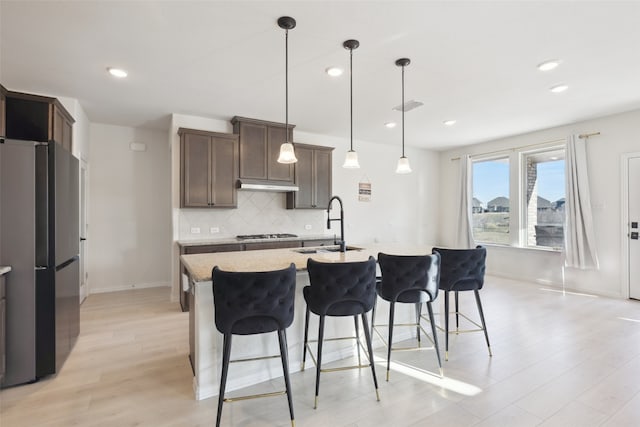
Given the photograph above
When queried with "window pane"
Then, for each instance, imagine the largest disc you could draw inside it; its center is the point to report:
(545, 208)
(490, 210)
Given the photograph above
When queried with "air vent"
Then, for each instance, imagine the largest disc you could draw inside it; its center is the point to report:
(409, 105)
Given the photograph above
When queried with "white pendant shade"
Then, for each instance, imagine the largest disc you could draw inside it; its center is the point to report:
(403, 165)
(287, 154)
(351, 160)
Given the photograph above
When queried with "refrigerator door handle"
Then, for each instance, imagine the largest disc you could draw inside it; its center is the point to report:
(40, 267)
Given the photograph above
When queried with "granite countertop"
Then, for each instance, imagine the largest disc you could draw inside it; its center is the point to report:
(4, 269)
(199, 266)
(227, 240)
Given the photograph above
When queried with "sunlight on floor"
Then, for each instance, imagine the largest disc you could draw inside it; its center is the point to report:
(569, 293)
(451, 384)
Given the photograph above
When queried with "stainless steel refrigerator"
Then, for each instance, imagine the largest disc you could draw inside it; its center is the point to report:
(39, 239)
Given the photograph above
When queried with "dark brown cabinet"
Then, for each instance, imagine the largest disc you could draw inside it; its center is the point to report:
(37, 118)
(312, 176)
(259, 149)
(209, 169)
(272, 245)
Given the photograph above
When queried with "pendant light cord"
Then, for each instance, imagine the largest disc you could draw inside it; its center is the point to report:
(351, 94)
(286, 85)
(403, 111)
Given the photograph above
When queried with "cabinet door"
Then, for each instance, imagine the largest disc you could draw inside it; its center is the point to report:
(303, 198)
(196, 158)
(253, 151)
(3, 107)
(277, 171)
(224, 158)
(272, 245)
(67, 135)
(322, 172)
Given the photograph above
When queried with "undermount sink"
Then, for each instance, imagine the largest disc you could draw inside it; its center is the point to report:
(320, 250)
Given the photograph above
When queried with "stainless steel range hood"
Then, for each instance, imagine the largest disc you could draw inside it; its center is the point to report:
(258, 185)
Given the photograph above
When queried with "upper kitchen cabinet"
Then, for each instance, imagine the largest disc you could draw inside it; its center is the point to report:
(37, 118)
(209, 169)
(259, 149)
(312, 176)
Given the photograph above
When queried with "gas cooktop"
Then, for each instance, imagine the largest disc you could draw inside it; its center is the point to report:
(265, 236)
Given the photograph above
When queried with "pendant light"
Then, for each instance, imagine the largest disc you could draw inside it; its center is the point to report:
(351, 159)
(403, 162)
(287, 155)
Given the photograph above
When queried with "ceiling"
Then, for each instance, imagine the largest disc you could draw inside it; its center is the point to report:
(472, 61)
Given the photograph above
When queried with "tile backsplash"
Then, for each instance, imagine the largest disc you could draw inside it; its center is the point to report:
(258, 212)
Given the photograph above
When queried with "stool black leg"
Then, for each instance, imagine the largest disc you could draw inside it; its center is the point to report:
(418, 311)
(306, 336)
(355, 321)
(367, 337)
(284, 355)
(435, 334)
(457, 311)
(392, 307)
(373, 314)
(226, 355)
(446, 325)
(484, 326)
(320, 338)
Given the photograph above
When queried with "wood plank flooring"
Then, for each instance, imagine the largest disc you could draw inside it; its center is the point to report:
(558, 360)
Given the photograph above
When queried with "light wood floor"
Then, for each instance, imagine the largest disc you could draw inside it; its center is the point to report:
(559, 360)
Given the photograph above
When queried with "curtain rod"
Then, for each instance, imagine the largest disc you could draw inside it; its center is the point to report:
(581, 136)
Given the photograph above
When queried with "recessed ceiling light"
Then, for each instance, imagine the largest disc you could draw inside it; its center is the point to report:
(548, 65)
(117, 72)
(390, 125)
(334, 71)
(449, 122)
(559, 88)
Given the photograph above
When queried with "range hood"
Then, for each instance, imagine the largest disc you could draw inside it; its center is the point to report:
(258, 185)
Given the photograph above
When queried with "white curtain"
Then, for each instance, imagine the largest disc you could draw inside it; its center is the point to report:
(464, 237)
(579, 239)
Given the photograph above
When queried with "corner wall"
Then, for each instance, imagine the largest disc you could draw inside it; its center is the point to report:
(129, 214)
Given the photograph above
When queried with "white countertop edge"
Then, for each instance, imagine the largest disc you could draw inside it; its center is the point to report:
(4, 269)
(231, 240)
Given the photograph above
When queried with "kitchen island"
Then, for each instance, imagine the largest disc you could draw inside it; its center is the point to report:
(206, 341)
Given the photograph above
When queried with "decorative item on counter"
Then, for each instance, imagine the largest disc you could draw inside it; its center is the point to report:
(287, 154)
(351, 159)
(403, 162)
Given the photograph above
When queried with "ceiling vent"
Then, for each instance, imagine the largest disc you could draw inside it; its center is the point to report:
(409, 105)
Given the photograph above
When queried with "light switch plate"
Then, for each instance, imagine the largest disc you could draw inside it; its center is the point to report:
(307, 227)
(195, 230)
(214, 230)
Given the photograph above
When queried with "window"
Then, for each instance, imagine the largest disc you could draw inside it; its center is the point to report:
(490, 205)
(518, 198)
(544, 209)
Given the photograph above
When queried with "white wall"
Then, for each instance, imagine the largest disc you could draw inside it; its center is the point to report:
(619, 134)
(129, 210)
(402, 207)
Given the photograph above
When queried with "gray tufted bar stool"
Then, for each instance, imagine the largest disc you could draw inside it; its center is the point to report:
(409, 279)
(462, 270)
(340, 289)
(248, 303)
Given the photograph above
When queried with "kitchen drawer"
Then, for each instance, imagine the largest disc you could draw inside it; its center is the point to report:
(205, 249)
(324, 242)
(272, 245)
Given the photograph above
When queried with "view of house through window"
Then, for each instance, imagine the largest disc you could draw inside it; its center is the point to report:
(490, 206)
(545, 196)
(540, 208)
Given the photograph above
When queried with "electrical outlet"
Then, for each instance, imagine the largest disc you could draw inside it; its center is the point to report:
(195, 230)
(307, 227)
(214, 230)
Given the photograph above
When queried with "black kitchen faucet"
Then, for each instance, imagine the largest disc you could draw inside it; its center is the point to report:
(343, 245)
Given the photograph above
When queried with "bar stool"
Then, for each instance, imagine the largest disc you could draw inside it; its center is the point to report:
(462, 270)
(411, 279)
(248, 303)
(340, 289)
